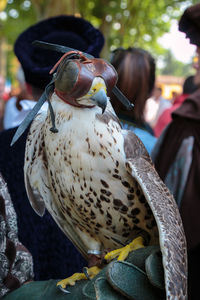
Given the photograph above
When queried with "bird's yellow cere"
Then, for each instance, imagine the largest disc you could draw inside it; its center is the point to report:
(97, 85)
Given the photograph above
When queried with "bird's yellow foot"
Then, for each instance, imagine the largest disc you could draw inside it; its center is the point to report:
(123, 252)
(89, 273)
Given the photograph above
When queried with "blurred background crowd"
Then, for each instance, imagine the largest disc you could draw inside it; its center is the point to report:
(148, 25)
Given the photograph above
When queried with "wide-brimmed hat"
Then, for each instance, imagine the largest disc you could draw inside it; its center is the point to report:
(64, 30)
(190, 24)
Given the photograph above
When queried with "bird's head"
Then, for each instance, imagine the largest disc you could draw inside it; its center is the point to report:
(80, 80)
(84, 82)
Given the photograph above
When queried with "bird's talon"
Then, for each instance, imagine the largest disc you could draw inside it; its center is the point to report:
(85, 271)
(71, 280)
(89, 273)
(63, 290)
(123, 252)
(112, 254)
(93, 271)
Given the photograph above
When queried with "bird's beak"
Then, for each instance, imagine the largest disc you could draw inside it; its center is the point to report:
(100, 99)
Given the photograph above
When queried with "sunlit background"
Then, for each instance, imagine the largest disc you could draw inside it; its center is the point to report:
(178, 44)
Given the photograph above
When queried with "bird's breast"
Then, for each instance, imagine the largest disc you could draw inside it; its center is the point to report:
(86, 167)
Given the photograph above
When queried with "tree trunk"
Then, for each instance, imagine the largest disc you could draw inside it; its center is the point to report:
(49, 8)
(105, 28)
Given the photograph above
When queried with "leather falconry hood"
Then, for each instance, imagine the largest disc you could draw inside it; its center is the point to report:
(74, 77)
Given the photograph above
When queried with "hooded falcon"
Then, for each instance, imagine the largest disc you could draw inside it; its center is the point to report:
(97, 180)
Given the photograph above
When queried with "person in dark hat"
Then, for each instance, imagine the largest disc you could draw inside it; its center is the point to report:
(54, 256)
(177, 156)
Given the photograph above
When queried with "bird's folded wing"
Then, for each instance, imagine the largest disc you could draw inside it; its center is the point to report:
(171, 233)
(34, 168)
(37, 184)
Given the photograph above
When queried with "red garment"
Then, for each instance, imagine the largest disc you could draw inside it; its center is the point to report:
(6, 96)
(165, 118)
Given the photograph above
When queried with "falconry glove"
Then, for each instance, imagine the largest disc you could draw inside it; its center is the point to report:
(140, 277)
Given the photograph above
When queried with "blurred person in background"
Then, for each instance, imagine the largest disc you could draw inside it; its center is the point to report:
(174, 96)
(15, 112)
(54, 256)
(155, 106)
(165, 118)
(136, 78)
(177, 156)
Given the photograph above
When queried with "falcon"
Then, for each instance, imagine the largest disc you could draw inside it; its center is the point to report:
(97, 180)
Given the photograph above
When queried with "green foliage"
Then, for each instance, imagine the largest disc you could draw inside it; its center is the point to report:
(124, 23)
(19, 16)
(132, 23)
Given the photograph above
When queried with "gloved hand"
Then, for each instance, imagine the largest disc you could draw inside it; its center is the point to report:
(140, 277)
